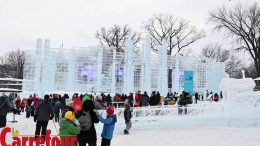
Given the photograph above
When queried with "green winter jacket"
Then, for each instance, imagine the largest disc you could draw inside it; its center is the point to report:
(68, 129)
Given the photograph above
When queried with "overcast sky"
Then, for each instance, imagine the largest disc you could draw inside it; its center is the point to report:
(74, 22)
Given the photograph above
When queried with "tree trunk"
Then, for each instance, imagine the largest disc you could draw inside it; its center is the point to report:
(257, 66)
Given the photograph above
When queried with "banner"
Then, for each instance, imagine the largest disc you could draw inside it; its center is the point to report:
(188, 81)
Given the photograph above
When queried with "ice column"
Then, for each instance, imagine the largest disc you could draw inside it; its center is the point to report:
(176, 74)
(113, 72)
(162, 84)
(71, 71)
(37, 68)
(48, 69)
(99, 70)
(128, 78)
(147, 66)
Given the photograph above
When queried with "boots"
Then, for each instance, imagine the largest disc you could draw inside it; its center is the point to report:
(126, 132)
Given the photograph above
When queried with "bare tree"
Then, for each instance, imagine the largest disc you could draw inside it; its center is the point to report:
(15, 60)
(216, 52)
(241, 23)
(116, 37)
(5, 68)
(233, 65)
(178, 33)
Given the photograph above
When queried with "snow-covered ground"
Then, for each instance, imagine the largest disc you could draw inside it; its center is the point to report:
(232, 123)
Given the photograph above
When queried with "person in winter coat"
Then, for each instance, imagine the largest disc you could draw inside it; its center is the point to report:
(43, 114)
(87, 136)
(137, 99)
(68, 107)
(145, 99)
(99, 103)
(69, 127)
(4, 107)
(196, 97)
(131, 99)
(28, 111)
(108, 100)
(127, 116)
(153, 99)
(57, 107)
(216, 97)
(158, 98)
(109, 126)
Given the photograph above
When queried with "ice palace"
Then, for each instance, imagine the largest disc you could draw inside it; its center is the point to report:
(97, 69)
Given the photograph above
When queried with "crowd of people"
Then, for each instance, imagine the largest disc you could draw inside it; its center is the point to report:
(78, 114)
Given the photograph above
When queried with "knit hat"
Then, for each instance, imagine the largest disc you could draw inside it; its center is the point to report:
(69, 115)
(69, 101)
(110, 110)
(99, 97)
(85, 98)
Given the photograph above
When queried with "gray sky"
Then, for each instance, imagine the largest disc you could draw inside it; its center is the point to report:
(74, 22)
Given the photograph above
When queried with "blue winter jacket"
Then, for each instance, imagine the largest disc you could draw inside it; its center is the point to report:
(109, 126)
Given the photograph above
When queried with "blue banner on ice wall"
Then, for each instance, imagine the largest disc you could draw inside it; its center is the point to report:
(188, 81)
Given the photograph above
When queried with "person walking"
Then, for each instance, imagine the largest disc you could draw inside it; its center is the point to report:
(43, 114)
(127, 117)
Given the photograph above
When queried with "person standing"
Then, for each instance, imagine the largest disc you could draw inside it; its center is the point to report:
(137, 99)
(99, 105)
(43, 114)
(145, 99)
(57, 108)
(87, 118)
(68, 107)
(109, 126)
(127, 117)
(69, 127)
(196, 98)
(4, 107)
(28, 111)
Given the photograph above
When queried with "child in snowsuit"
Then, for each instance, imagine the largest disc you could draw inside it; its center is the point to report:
(69, 128)
(109, 126)
(127, 116)
(28, 111)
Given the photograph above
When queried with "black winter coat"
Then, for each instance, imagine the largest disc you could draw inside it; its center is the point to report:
(44, 112)
(89, 136)
(4, 107)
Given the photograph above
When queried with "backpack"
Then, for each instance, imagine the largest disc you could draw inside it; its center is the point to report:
(85, 121)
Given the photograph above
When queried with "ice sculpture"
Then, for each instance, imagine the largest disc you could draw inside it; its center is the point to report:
(241, 85)
(97, 69)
